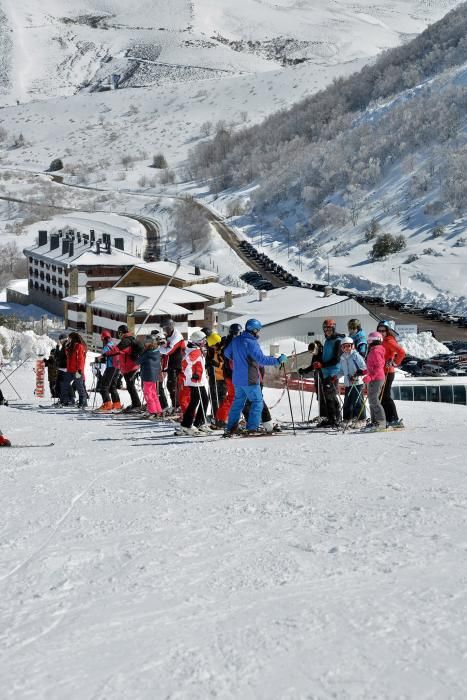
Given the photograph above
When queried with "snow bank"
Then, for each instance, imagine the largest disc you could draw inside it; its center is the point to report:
(422, 345)
(18, 346)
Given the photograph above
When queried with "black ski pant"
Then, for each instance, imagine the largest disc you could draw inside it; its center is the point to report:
(161, 394)
(354, 406)
(196, 410)
(108, 385)
(70, 396)
(130, 378)
(333, 411)
(70, 382)
(172, 386)
(218, 391)
(387, 401)
(318, 379)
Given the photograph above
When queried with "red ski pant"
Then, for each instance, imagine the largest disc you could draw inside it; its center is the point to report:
(223, 410)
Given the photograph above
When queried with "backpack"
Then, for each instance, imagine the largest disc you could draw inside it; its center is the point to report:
(136, 349)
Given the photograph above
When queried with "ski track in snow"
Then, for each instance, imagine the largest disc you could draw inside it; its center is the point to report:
(310, 566)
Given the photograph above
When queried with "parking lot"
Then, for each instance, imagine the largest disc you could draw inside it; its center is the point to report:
(441, 329)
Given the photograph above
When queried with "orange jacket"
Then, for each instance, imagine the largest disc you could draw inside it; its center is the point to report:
(394, 353)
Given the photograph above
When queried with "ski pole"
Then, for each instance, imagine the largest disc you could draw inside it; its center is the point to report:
(290, 401)
(311, 404)
(202, 405)
(93, 388)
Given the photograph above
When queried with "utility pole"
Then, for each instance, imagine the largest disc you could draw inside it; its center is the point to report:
(400, 276)
(328, 270)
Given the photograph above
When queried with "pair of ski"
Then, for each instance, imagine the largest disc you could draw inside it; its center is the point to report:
(28, 446)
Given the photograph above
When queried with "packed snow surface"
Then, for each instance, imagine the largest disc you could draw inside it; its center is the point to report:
(324, 566)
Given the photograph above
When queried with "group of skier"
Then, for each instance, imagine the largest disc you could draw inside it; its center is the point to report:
(359, 360)
(226, 374)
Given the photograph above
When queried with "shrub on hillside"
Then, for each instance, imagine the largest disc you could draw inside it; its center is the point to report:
(387, 244)
(159, 161)
(56, 164)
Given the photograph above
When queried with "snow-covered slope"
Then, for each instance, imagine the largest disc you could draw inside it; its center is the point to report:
(324, 566)
(58, 47)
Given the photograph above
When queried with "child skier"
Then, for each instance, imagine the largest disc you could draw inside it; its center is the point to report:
(150, 362)
(374, 377)
(194, 380)
(352, 366)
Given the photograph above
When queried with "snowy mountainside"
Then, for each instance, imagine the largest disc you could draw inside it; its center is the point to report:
(57, 48)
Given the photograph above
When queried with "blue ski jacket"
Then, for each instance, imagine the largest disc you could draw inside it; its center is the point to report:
(247, 357)
(360, 342)
(331, 352)
(150, 362)
(109, 359)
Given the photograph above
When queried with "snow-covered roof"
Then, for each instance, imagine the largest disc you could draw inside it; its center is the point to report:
(83, 254)
(216, 290)
(18, 286)
(115, 300)
(278, 304)
(176, 295)
(185, 273)
(75, 299)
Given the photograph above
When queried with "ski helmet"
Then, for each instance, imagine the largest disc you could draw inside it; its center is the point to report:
(168, 326)
(374, 337)
(329, 323)
(105, 334)
(122, 329)
(213, 339)
(346, 341)
(207, 331)
(197, 337)
(253, 325)
(235, 329)
(390, 326)
(354, 324)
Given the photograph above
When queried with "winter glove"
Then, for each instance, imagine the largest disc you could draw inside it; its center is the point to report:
(366, 378)
(301, 371)
(77, 375)
(195, 377)
(282, 359)
(317, 365)
(389, 363)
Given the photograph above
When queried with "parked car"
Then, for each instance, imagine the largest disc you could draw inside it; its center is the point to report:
(462, 321)
(430, 370)
(457, 372)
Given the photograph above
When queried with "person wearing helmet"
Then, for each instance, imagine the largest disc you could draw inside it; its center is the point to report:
(316, 350)
(352, 368)
(223, 410)
(329, 365)
(52, 374)
(246, 356)
(194, 380)
(172, 355)
(374, 378)
(109, 380)
(128, 351)
(394, 355)
(358, 336)
(215, 372)
(150, 372)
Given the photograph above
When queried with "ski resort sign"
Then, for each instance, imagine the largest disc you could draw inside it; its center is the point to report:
(407, 329)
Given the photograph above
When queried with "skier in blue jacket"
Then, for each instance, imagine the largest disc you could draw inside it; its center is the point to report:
(246, 357)
(358, 336)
